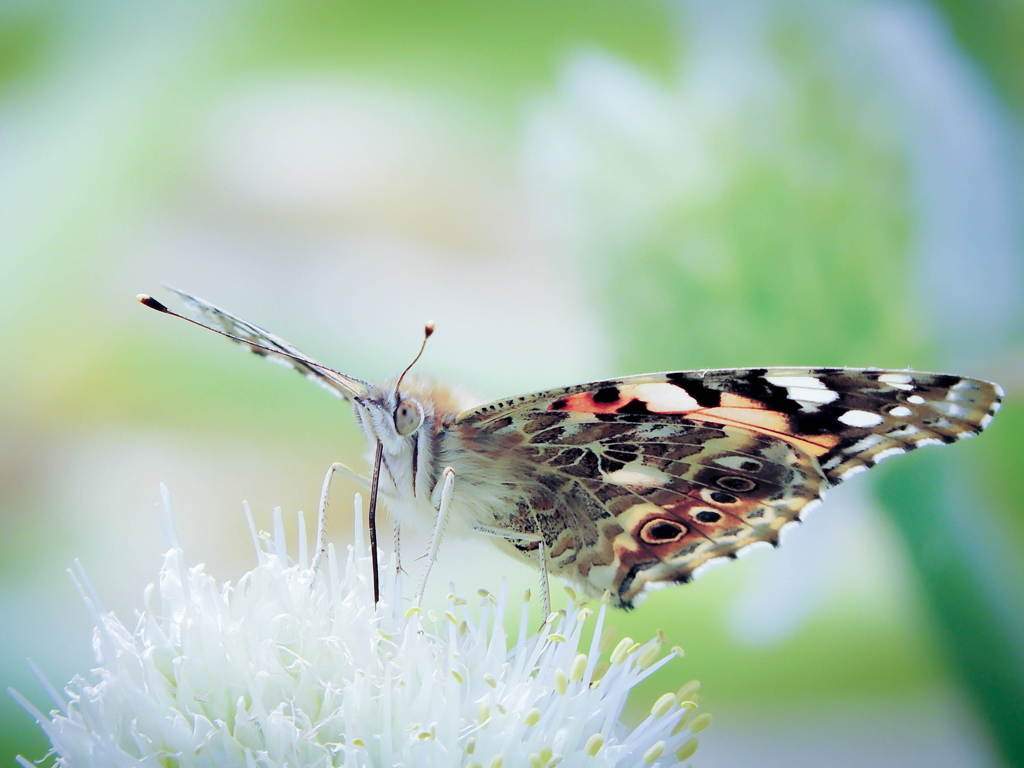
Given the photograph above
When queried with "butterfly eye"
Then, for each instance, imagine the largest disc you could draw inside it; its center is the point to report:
(408, 417)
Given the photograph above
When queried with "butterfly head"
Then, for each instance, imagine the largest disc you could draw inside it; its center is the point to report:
(401, 413)
(406, 417)
(393, 416)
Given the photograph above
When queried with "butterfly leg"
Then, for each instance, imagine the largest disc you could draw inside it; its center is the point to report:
(320, 548)
(435, 541)
(398, 547)
(545, 586)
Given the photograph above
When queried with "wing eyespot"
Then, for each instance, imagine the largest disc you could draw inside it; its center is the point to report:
(735, 483)
(707, 516)
(717, 497)
(662, 531)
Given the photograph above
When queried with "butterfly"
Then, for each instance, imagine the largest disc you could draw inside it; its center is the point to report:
(632, 483)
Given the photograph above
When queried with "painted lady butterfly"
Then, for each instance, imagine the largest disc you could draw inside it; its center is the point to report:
(632, 483)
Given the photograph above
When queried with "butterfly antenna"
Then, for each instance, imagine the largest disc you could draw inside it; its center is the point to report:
(375, 482)
(428, 331)
(147, 300)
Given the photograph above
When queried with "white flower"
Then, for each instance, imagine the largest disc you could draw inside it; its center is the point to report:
(294, 666)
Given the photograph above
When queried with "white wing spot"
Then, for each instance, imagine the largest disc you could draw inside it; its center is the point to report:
(707, 565)
(834, 462)
(861, 419)
(810, 506)
(887, 453)
(865, 443)
(854, 470)
(660, 397)
(916, 400)
(897, 380)
(805, 389)
(646, 477)
(807, 382)
(738, 462)
(900, 411)
(953, 410)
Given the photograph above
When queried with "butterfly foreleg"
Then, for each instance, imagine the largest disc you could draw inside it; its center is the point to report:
(443, 504)
(320, 548)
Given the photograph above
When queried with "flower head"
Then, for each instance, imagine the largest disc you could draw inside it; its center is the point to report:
(295, 666)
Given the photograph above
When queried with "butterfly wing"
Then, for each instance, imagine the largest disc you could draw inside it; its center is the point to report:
(637, 482)
(266, 344)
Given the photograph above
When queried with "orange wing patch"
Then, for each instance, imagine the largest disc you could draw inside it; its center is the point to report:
(738, 411)
(664, 398)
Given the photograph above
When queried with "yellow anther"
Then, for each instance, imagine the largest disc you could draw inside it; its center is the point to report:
(579, 666)
(621, 650)
(700, 722)
(654, 752)
(650, 655)
(686, 751)
(561, 682)
(607, 638)
(689, 691)
(662, 706)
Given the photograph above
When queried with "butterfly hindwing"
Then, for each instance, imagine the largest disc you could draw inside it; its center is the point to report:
(639, 481)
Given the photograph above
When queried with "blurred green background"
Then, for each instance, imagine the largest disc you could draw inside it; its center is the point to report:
(571, 191)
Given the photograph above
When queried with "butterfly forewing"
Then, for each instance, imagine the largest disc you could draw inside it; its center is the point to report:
(639, 481)
(274, 348)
